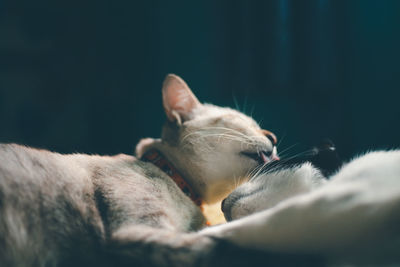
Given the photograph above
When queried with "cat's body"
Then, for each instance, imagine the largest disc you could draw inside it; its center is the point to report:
(353, 217)
(54, 206)
(83, 210)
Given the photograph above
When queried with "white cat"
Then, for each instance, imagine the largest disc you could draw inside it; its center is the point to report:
(352, 218)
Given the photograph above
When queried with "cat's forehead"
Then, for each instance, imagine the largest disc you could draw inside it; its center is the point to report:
(215, 115)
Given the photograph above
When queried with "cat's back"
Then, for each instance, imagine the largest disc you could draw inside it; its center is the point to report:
(46, 199)
(25, 166)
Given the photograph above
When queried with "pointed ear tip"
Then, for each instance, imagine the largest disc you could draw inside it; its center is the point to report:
(173, 78)
(171, 75)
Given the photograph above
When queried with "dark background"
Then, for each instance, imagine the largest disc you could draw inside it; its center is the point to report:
(85, 76)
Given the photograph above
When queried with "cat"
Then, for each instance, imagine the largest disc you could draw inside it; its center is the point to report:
(84, 210)
(294, 176)
(346, 214)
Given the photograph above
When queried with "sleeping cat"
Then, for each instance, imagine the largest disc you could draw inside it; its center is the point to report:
(70, 210)
(350, 215)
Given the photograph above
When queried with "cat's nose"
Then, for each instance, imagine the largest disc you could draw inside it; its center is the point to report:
(271, 136)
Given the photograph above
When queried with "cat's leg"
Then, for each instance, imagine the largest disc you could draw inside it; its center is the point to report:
(146, 246)
(357, 212)
(319, 226)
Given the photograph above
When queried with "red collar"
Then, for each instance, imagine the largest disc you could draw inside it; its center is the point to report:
(154, 156)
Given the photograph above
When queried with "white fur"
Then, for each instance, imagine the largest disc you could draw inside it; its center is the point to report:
(265, 191)
(354, 217)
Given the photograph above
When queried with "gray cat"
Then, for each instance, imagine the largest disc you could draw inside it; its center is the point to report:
(70, 210)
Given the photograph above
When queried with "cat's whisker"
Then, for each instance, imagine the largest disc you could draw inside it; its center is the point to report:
(230, 130)
(245, 105)
(251, 173)
(252, 110)
(237, 107)
(266, 167)
(257, 171)
(288, 148)
(280, 140)
(221, 137)
(232, 137)
(254, 172)
(270, 167)
(190, 134)
(260, 122)
(237, 134)
(199, 133)
(297, 155)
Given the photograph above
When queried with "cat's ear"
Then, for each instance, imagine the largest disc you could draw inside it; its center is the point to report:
(178, 100)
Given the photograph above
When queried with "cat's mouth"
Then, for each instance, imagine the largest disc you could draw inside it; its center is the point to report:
(262, 156)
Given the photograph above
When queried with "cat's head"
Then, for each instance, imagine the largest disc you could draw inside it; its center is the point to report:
(215, 148)
(283, 179)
